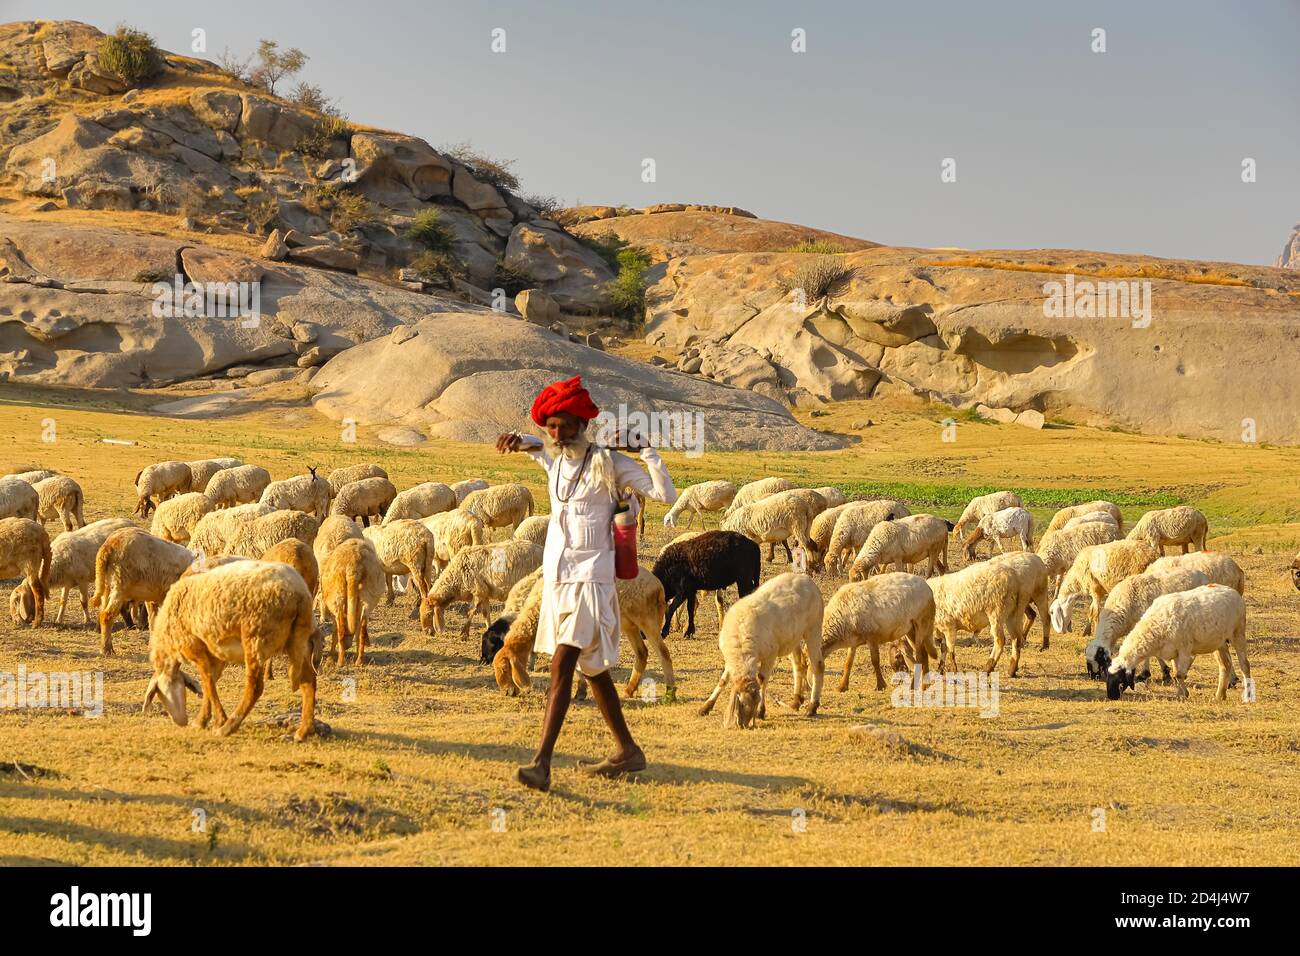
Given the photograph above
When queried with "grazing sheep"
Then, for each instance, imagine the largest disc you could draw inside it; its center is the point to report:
(307, 493)
(708, 561)
(783, 618)
(986, 505)
(988, 594)
(756, 491)
(217, 527)
(889, 607)
(811, 501)
(1032, 579)
(72, 567)
(333, 531)
(1178, 627)
(1104, 517)
(464, 488)
(832, 496)
(452, 531)
(352, 581)
(904, 541)
(60, 498)
(533, 528)
(1059, 548)
(1014, 522)
(404, 546)
(1065, 515)
(510, 660)
(133, 565)
(495, 635)
(854, 526)
(25, 553)
(479, 574)
(31, 477)
(342, 476)
(774, 520)
(705, 496)
(253, 537)
(364, 499)
(163, 479)
(1215, 565)
(246, 613)
(18, 499)
(500, 506)
(240, 485)
(1096, 571)
(819, 534)
(201, 471)
(175, 519)
(297, 555)
(421, 501)
(1172, 526)
(1125, 605)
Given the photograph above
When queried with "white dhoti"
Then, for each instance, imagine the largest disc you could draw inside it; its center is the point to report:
(582, 614)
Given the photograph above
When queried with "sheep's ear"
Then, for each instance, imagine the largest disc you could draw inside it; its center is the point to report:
(150, 693)
(190, 682)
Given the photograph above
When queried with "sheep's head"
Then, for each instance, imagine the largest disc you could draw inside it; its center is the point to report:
(1061, 613)
(973, 539)
(143, 506)
(670, 520)
(169, 684)
(316, 647)
(22, 604)
(1118, 677)
(1097, 662)
(430, 616)
(494, 638)
(747, 694)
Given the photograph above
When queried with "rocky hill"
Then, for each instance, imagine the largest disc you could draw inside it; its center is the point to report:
(1290, 257)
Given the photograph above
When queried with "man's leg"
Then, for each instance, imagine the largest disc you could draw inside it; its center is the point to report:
(538, 774)
(606, 696)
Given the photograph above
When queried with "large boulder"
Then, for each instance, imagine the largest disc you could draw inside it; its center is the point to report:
(398, 170)
(568, 271)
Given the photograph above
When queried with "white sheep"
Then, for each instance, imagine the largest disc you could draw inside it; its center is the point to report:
(60, 499)
(25, 553)
(133, 565)
(983, 505)
(352, 581)
(1215, 565)
(1172, 526)
(429, 498)
(987, 594)
(1104, 517)
(854, 525)
(887, 608)
(1014, 522)
(162, 479)
(364, 499)
(464, 488)
(452, 531)
(307, 493)
(333, 531)
(1179, 627)
(214, 529)
(500, 506)
(533, 528)
(479, 574)
(699, 499)
(1125, 605)
(904, 541)
(1067, 514)
(175, 519)
(18, 499)
(774, 520)
(240, 485)
(1059, 548)
(342, 476)
(831, 495)
(756, 491)
(404, 547)
(783, 618)
(72, 567)
(251, 538)
(201, 471)
(31, 477)
(1096, 571)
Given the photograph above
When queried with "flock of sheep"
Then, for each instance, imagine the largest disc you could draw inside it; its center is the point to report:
(237, 568)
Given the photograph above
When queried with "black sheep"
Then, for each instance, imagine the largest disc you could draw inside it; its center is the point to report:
(708, 562)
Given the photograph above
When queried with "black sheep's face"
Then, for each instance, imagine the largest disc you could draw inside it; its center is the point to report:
(1098, 663)
(494, 638)
(1117, 682)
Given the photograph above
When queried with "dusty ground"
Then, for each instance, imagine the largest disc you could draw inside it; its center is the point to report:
(420, 764)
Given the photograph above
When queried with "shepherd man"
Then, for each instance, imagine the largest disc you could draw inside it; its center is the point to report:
(579, 623)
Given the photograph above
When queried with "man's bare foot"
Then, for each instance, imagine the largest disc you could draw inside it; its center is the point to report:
(535, 775)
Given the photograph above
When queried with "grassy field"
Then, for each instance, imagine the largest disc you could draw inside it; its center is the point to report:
(419, 768)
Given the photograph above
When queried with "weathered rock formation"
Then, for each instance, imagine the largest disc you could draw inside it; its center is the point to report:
(1290, 257)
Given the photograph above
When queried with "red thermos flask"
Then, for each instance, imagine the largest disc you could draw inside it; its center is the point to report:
(625, 563)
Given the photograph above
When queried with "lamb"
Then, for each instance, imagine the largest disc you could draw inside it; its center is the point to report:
(31, 477)
(364, 499)
(889, 607)
(1215, 565)
(404, 546)
(988, 594)
(452, 531)
(773, 520)
(423, 500)
(1172, 526)
(783, 618)
(1096, 571)
(500, 506)
(253, 537)
(709, 561)
(832, 496)
(297, 555)
(904, 541)
(246, 612)
(60, 498)
(854, 526)
(342, 476)
(133, 565)
(756, 491)
(164, 479)
(705, 496)
(201, 471)
(18, 499)
(240, 485)
(25, 552)
(1179, 627)
(1126, 604)
(479, 574)
(533, 528)
(463, 488)
(307, 493)
(351, 583)
(1104, 517)
(1059, 548)
(217, 527)
(175, 519)
(72, 567)
(1014, 522)
(1067, 514)
(986, 505)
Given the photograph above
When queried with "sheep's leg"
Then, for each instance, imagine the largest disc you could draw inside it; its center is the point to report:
(717, 692)
(362, 635)
(254, 681)
(388, 587)
(875, 665)
(848, 668)
(63, 606)
(85, 605)
(108, 611)
(690, 616)
(1182, 664)
(673, 605)
(799, 664)
(1239, 645)
(1225, 662)
(666, 661)
(341, 635)
(999, 641)
(638, 668)
(818, 665)
(211, 707)
(307, 725)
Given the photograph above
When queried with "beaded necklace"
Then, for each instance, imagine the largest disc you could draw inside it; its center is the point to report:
(573, 486)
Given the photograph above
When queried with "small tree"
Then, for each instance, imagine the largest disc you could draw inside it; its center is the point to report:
(131, 55)
(628, 288)
(313, 98)
(274, 65)
(494, 172)
(430, 231)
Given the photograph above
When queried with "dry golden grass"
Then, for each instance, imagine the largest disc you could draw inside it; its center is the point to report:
(424, 754)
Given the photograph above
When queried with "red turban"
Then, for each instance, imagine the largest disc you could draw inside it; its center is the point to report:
(568, 397)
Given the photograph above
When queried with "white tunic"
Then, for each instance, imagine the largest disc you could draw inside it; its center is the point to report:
(579, 600)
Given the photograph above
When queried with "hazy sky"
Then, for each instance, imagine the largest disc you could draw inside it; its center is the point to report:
(1138, 149)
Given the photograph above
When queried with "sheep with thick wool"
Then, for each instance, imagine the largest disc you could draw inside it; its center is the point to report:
(904, 541)
(1179, 627)
(479, 574)
(1065, 515)
(755, 491)
(1096, 571)
(72, 567)
(1059, 548)
(1124, 607)
(202, 470)
(217, 527)
(333, 531)
(452, 531)
(133, 565)
(342, 476)
(500, 506)
(1172, 526)
(240, 485)
(59, 498)
(534, 528)
(297, 555)
(1014, 522)
(890, 607)
(365, 499)
(464, 488)
(1104, 517)
(854, 525)
(774, 520)
(253, 537)
(988, 594)
(31, 477)
(405, 547)
(783, 618)
(245, 612)
(25, 553)
(705, 497)
(1215, 565)
(819, 533)
(831, 495)
(352, 582)
(985, 505)
(162, 480)
(429, 498)
(308, 493)
(18, 499)
(176, 518)
(806, 498)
